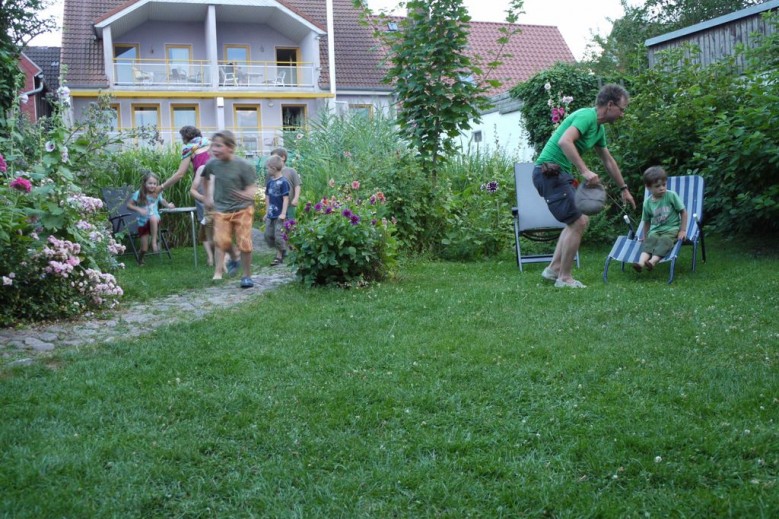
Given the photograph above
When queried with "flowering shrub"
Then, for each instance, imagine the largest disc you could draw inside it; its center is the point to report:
(55, 245)
(558, 106)
(542, 111)
(342, 239)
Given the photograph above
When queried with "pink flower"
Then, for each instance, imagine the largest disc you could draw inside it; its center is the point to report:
(347, 154)
(3, 165)
(356, 184)
(22, 184)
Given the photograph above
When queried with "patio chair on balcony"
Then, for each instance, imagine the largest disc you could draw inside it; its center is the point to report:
(178, 76)
(142, 77)
(228, 76)
(280, 78)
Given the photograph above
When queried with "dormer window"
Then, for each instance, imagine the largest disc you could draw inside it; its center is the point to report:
(392, 26)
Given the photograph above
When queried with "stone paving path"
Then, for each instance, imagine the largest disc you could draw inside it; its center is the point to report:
(22, 346)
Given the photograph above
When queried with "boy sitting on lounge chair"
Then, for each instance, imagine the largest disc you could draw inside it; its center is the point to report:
(664, 219)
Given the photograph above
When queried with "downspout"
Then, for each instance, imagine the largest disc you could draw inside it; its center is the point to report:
(35, 91)
(331, 51)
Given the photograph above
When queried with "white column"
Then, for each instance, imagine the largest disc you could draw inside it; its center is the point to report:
(212, 54)
(331, 48)
(211, 49)
(108, 56)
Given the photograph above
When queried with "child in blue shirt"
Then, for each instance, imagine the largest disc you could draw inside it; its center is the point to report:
(276, 205)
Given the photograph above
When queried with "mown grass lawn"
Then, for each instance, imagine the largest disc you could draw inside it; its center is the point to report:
(456, 390)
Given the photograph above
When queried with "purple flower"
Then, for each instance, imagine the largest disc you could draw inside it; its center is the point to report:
(289, 224)
(372, 199)
(328, 210)
(347, 213)
(318, 207)
(22, 184)
(308, 207)
(492, 186)
(374, 221)
(354, 219)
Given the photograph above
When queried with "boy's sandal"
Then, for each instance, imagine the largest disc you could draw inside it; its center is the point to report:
(276, 262)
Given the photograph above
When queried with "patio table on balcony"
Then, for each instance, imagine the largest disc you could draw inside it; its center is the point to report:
(255, 79)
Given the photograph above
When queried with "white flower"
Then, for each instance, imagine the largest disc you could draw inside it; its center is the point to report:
(567, 100)
(24, 98)
(658, 459)
(548, 86)
(49, 146)
(7, 281)
(550, 103)
(64, 95)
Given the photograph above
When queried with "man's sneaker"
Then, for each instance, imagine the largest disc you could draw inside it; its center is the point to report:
(570, 284)
(549, 274)
(232, 267)
(247, 282)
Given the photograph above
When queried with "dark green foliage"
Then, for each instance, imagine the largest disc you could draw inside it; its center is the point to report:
(713, 121)
(565, 79)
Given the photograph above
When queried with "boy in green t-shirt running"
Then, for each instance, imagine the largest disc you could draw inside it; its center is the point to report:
(664, 218)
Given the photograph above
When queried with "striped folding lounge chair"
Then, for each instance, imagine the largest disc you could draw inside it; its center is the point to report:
(532, 219)
(627, 249)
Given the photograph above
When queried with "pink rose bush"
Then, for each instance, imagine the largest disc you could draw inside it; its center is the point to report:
(56, 249)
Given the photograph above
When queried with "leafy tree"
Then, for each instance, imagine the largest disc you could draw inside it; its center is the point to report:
(440, 89)
(623, 49)
(19, 23)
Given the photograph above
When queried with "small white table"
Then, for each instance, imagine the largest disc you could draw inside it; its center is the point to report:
(191, 211)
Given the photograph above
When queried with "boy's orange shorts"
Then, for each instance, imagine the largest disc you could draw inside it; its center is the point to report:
(240, 223)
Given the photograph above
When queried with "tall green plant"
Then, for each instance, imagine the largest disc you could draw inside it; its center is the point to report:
(434, 79)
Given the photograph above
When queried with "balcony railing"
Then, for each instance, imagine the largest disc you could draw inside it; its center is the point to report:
(253, 75)
(251, 142)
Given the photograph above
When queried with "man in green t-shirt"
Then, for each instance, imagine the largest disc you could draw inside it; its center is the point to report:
(579, 132)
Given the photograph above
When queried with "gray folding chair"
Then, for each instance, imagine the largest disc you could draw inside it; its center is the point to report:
(532, 219)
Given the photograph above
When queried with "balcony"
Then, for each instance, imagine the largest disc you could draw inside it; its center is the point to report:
(200, 75)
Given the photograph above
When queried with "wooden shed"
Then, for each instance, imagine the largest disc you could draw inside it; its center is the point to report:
(718, 37)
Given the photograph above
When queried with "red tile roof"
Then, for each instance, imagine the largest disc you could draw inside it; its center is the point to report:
(535, 48)
(357, 63)
(358, 60)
